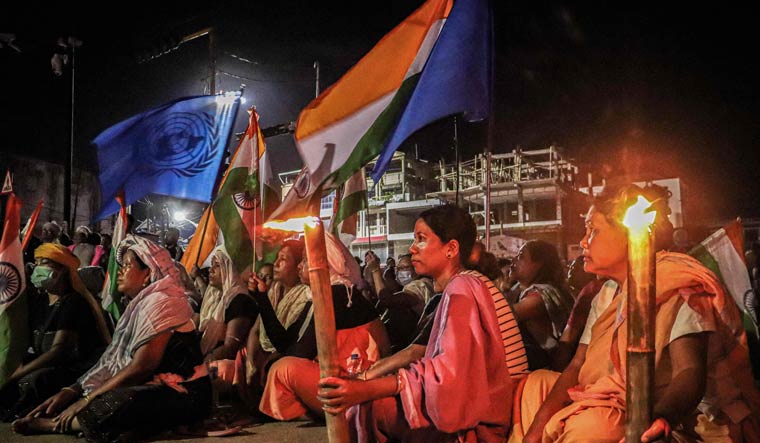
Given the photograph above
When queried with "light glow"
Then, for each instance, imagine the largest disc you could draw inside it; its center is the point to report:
(293, 224)
(638, 216)
(179, 215)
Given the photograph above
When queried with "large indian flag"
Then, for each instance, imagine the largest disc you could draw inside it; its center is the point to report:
(434, 64)
(723, 253)
(247, 196)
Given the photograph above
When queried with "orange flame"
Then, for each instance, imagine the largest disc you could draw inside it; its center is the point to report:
(293, 224)
(639, 216)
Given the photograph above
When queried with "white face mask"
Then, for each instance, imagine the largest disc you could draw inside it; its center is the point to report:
(404, 277)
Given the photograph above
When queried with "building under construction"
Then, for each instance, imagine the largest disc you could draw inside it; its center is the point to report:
(534, 194)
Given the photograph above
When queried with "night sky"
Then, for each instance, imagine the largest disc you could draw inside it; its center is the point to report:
(638, 87)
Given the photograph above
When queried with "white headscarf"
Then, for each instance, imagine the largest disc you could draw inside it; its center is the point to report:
(159, 307)
(343, 267)
(215, 301)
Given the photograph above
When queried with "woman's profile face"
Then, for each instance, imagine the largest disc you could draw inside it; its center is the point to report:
(605, 246)
(215, 273)
(303, 270)
(524, 269)
(285, 267)
(428, 251)
(131, 277)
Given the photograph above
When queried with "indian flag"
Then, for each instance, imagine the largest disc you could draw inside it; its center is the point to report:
(13, 307)
(723, 253)
(436, 63)
(110, 296)
(247, 195)
(350, 198)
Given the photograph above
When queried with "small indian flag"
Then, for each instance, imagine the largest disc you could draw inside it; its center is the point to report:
(248, 194)
(723, 253)
(434, 64)
(110, 296)
(350, 198)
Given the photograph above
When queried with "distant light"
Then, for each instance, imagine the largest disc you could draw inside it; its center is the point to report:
(293, 224)
(179, 215)
(242, 100)
(227, 98)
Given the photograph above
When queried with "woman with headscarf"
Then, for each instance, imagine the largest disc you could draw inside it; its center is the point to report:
(285, 308)
(291, 384)
(460, 391)
(146, 380)
(65, 336)
(227, 312)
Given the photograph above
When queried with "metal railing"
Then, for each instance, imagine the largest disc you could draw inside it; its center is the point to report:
(516, 166)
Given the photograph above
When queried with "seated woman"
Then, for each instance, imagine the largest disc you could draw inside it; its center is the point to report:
(66, 339)
(290, 299)
(461, 389)
(145, 381)
(402, 309)
(703, 389)
(82, 248)
(227, 312)
(544, 304)
(291, 384)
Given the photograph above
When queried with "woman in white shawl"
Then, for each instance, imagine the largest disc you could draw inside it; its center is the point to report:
(289, 300)
(145, 380)
(227, 311)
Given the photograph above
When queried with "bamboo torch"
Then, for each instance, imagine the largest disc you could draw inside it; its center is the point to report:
(641, 319)
(324, 315)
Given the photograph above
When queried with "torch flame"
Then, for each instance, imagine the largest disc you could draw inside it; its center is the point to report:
(638, 216)
(293, 224)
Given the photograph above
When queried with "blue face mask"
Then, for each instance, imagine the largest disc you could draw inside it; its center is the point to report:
(44, 277)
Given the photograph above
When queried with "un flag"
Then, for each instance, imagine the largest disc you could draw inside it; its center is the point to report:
(174, 150)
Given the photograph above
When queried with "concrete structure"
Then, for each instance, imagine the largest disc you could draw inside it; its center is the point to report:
(535, 194)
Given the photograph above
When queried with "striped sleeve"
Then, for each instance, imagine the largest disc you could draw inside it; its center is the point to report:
(514, 348)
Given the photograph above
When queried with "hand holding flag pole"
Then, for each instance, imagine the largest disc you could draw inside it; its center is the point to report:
(324, 314)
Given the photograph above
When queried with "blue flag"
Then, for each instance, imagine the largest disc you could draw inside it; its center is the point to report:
(457, 77)
(174, 149)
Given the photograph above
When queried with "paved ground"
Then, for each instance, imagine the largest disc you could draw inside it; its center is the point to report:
(278, 432)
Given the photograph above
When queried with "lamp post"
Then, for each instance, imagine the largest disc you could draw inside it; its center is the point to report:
(641, 319)
(322, 302)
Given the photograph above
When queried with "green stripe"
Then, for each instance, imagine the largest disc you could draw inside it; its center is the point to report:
(373, 141)
(349, 206)
(113, 269)
(701, 253)
(236, 238)
(13, 336)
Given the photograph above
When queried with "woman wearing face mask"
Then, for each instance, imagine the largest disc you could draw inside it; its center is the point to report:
(65, 338)
(151, 376)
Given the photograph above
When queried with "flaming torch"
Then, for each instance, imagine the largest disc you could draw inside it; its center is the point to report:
(641, 319)
(322, 302)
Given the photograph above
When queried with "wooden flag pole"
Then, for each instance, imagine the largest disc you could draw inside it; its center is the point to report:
(324, 320)
(641, 320)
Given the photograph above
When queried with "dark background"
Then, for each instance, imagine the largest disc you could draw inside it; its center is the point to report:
(643, 88)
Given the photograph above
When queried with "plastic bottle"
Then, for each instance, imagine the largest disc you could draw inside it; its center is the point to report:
(354, 366)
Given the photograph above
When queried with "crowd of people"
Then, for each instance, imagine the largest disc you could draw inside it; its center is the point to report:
(445, 343)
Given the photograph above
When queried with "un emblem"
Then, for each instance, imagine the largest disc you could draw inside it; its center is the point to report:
(184, 143)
